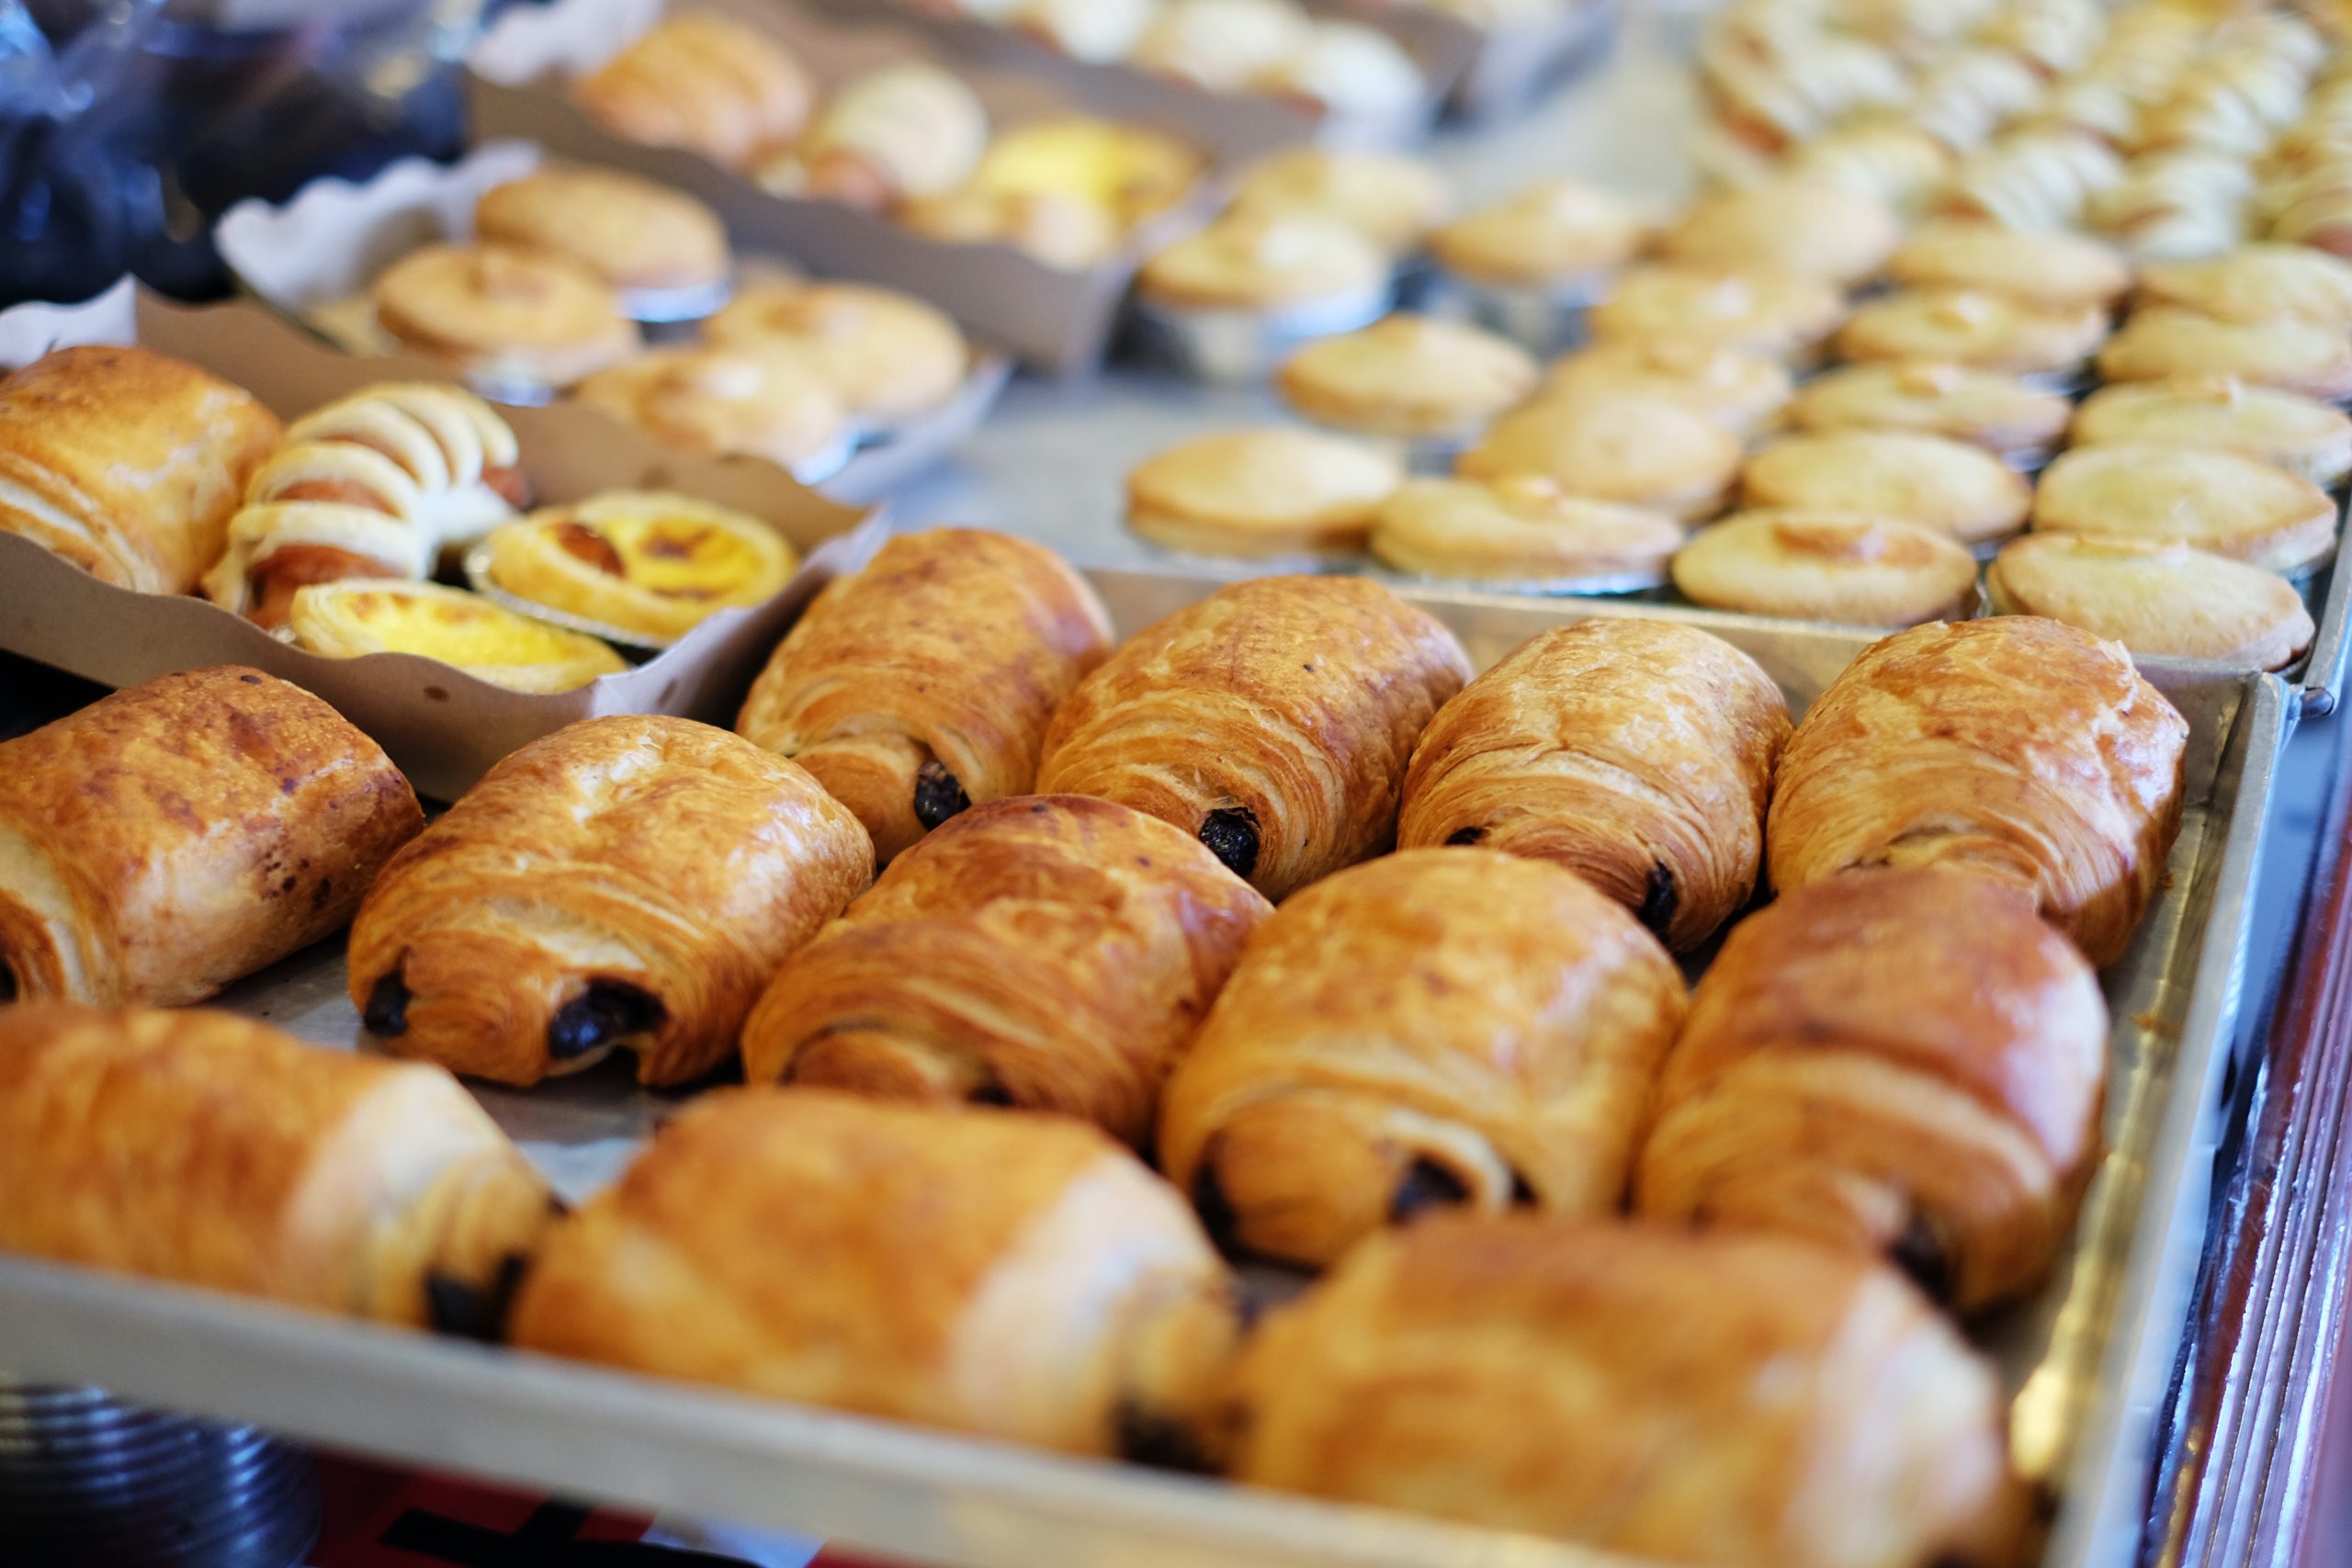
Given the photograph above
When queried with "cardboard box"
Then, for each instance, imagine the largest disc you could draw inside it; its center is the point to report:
(1503, 71)
(1056, 321)
(443, 726)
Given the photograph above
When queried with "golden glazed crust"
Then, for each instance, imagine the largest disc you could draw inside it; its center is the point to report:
(1849, 568)
(888, 355)
(631, 232)
(1407, 376)
(1964, 326)
(1640, 451)
(1554, 232)
(1983, 408)
(2154, 596)
(625, 883)
(184, 832)
(1256, 261)
(1434, 1027)
(2302, 435)
(125, 463)
(2257, 283)
(501, 310)
(463, 630)
(1740, 1400)
(1262, 492)
(2212, 501)
(1743, 392)
(2015, 748)
(1781, 318)
(701, 82)
(1050, 952)
(2165, 340)
(926, 683)
(1637, 754)
(1020, 1277)
(1949, 486)
(1522, 529)
(1272, 720)
(206, 1149)
(1792, 227)
(1900, 1061)
(758, 401)
(2046, 269)
(645, 561)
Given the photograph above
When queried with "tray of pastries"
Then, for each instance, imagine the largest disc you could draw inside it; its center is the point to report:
(1119, 1067)
(859, 148)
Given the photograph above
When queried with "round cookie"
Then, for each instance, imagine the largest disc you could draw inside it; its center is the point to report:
(2305, 437)
(2165, 340)
(1971, 327)
(2044, 268)
(1552, 234)
(1781, 318)
(1523, 530)
(1743, 392)
(2154, 596)
(770, 402)
(1409, 377)
(1249, 261)
(1788, 226)
(888, 354)
(1983, 408)
(2257, 283)
(2210, 501)
(1844, 566)
(1262, 492)
(1953, 488)
(1390, 199)
(501, 311)
(633, 233)
(1651, 452)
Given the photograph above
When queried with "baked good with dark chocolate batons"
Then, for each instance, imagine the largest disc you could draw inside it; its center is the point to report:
(1637, 754)
(1905, 1062)
(1436, 1028)
(1272, 720)
(125, 463)
(624, 883)
(2015, 748)
(1730, 1399)
(206, 1149)
(924, 684)
(1014, 1276)
(1051, 952)
(184, 832)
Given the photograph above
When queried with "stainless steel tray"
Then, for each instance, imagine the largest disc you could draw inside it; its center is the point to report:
(2088, 1360)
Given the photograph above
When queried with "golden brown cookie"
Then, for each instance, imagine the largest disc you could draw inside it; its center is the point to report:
(1262, 492)
(1983, 408)
(1648, 452)
(701, 82)
(768, 402)
(502, 312)
(1407, 376)
(1845, 566)
(2154, 596)
(1391, 200)
(1788, 226)
(1971, 327)
(2295, 356)
(2213, 500)
(1782, 318)
(2044, 268)
(1523, 530)
(888, 355)
(1552, 233)
(1743, 392)
(2297, 434)
(631, 232)
(1256, 263)
(1949, 486)
(2257, 283)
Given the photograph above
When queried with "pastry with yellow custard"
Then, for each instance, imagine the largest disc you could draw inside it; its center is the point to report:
(346, 620)
(644, 562)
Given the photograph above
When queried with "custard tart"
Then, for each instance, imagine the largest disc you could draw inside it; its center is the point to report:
(649, 565)
(345, 620)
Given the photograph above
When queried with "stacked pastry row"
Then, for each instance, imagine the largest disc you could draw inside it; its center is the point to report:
(1344, 69)
(2152, 124)
(543, 299)
(153, 475)
(1486, 1022)
(907, 139)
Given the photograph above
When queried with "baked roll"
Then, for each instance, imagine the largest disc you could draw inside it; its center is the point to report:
(926, 683)
(1272, 720)
(125, 463)
(1432, 1028)
(1020, 1277)
(1750, 1400)
(1053, 953)
(1638, 754)
(374, 485)
(2016, 747)
(646, 562)
(208, 1150)
(623, 884)
(1899, 1062)
(181, 833)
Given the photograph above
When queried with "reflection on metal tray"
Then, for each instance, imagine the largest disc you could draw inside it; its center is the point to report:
(2086, 1359)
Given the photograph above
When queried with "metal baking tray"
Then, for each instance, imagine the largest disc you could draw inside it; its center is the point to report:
(2088, 1360)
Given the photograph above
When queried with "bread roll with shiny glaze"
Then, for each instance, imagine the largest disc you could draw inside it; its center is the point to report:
(924, 684)
(623, 884)
(1054, 954)
(2016, 747)
(1272, 720)
(1432, 1028)
(184, 832)
(1900, 1061)
(206, 1149)
(1018, 1276)
(1637, 754)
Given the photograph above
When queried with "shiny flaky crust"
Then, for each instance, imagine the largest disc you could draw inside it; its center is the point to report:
(2016, 747)
(1906, 1062)
(926, 683)
(210, 1150)
(1638, 754)
(1433, 1027)
(1748, 1401)
(625, 883)
(1018, 1276)
(1274, 719)
(125, 463)
(1054, 954)
(179, 834)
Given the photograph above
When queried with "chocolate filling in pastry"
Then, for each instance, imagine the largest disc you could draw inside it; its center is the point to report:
(1143, 1435)
(386, 1015)
(939, 794)
(1427, 1185)
(607, 1011)
(1215, 1210)
(1659, 899)
(1921, 1253)
(1466, 836)
(475, 1312)
(1231, 834)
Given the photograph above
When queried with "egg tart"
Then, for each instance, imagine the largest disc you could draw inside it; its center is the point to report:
(346, 620)
(644, 563)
